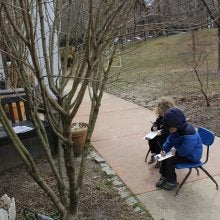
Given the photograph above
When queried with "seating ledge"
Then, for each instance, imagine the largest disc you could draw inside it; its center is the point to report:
(4, 137)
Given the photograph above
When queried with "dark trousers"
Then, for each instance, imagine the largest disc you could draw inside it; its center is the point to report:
(155, 144)
(167, 168)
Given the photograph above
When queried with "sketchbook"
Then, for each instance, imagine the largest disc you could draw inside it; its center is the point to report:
(151, 135)
(169, 154)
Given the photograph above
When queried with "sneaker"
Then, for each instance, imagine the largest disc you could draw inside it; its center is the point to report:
(152, 159)
(170, 185)
(161, 182)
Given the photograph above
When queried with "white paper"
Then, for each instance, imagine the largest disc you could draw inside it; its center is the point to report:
(21, 129)
(169, 154)
(151, 135)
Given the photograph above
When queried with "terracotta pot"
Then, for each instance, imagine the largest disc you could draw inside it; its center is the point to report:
(79, 132)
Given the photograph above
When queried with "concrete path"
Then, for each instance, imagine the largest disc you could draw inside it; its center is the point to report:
(118, 137)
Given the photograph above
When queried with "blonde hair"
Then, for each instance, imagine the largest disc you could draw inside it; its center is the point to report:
(163, 105)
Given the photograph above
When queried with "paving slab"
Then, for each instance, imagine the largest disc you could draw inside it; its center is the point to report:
(118, 138)
(196, 200)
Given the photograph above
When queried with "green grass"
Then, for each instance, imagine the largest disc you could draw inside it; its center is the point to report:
(169, 50)
(166, 63)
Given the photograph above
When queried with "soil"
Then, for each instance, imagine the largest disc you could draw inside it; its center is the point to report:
(99, 199)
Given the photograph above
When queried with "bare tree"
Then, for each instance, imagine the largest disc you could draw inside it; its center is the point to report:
(29, 29)
(196, 59)
(165, 17)
(213, 9)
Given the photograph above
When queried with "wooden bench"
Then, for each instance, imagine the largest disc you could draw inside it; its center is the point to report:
(20, 116)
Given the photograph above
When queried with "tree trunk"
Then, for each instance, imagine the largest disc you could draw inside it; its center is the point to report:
(217, 23)
(70, 216)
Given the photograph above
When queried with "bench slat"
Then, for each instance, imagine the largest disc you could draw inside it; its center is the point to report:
(20, 117)
(15, 113)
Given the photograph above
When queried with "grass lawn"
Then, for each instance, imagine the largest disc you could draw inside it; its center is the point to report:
(165, 65)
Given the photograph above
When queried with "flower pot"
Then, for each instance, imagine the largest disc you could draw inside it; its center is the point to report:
(79, 132)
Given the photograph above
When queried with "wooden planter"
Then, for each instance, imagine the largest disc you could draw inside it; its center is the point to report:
(15, 111)
(79, 132)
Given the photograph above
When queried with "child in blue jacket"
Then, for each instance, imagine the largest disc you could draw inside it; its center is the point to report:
(186, 142)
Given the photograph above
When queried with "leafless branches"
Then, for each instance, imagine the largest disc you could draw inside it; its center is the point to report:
(30, 31)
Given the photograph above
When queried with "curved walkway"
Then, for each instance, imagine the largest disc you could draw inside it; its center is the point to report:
(118, 137)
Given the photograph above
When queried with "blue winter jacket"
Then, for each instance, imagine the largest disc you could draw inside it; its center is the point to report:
(187, 143)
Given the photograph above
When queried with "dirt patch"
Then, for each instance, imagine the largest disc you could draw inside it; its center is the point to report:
(201, 115)
(99, 199)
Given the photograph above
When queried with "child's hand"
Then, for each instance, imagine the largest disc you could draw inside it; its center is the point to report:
(163, 153)
(159, 133)
(174, 151)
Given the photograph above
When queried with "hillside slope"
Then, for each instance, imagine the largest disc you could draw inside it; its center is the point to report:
(164, 67)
